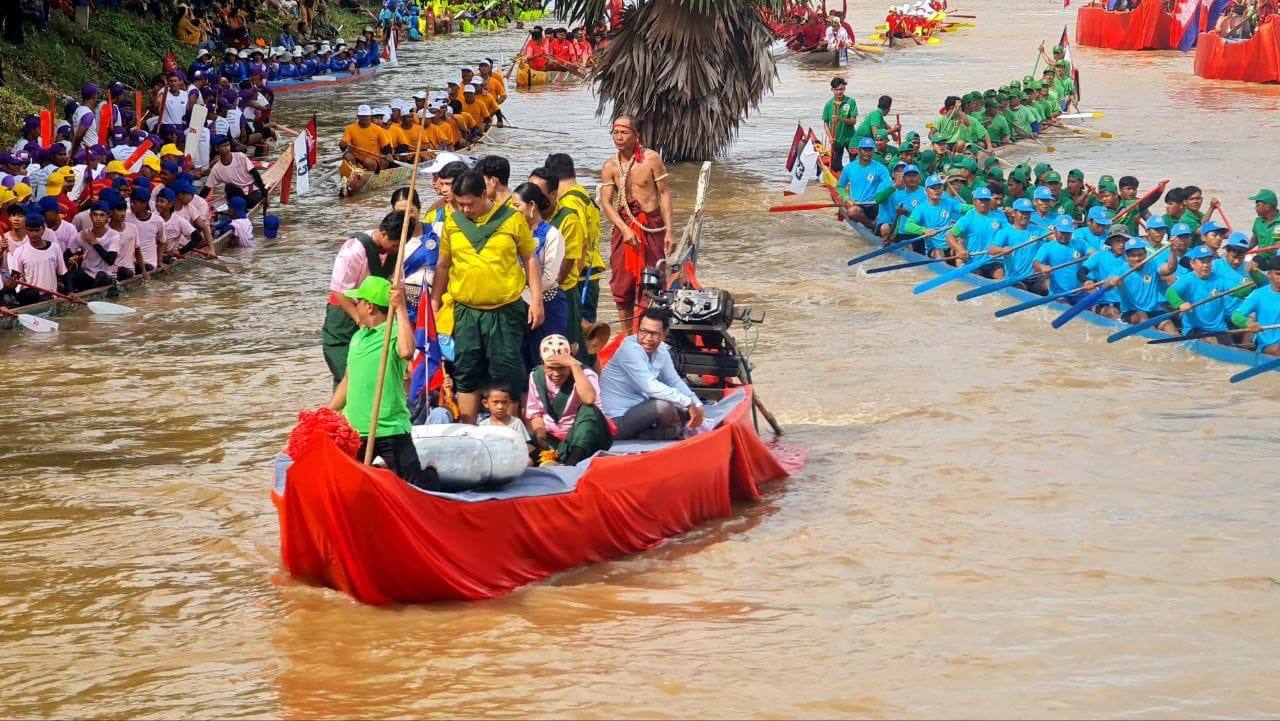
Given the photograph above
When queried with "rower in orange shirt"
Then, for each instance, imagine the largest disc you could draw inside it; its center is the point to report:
(472, 106)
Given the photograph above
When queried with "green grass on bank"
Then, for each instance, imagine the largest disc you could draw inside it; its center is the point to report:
(117, 45)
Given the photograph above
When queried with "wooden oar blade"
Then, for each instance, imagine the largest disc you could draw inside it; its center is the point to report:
(102, 307)
(1256, 370)
(1079, 307)
(36, 323)
(215, 264)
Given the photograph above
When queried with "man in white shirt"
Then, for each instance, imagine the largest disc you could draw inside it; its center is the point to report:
(100, 246)
(150, 229)
(235, 173)
(836, 37)
(641, 390)
(128, 254)
(37, 261)
(64, 233)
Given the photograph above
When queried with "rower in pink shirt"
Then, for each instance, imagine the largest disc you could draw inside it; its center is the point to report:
(234, 172)
(38, 261)
(149, 227)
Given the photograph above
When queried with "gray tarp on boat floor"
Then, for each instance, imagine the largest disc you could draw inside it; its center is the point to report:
(554, 479)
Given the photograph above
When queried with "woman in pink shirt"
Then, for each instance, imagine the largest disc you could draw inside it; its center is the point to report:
(563, 405)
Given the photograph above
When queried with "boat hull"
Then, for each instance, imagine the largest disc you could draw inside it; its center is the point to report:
(527, 77)
(1256, 60)
(364, 531)
(295, 86)
(1145, 28)
(358, 181)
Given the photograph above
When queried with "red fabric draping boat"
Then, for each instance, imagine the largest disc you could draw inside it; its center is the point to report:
(1256, 60)
(364, 531)
(1145, 28)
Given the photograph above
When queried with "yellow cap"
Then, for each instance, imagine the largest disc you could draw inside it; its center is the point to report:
(151, 161)
(21, 191)
(170, 149)
(117, 166)
(64, 174)
(54, 185)
(6, 196)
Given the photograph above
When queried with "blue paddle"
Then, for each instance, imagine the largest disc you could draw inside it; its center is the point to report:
(1002, 284)
(1152, 322)
(1093, 297)
(881, 251)
(1245, 375)
(911, 264)
(1207, 334)
(965, 269)
(1028, 305)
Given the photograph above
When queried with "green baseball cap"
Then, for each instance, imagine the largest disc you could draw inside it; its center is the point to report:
(1107, 186)
(1265, 196)
(373, 289)
(1106, 179)
(1057, 48)
(1018, 174)
(1051, 177)
(995, 173)
(970, 164)
(881, 133)
(1075, 174)
(911, 135)
(1042, 168)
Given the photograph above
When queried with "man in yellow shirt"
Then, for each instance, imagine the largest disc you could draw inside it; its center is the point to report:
(471, 105)
(494, 83)
(364, 144)
(446, 135)
(565, 220)
(486, 261)
(573, 195)
(405, 138)
(483, 96)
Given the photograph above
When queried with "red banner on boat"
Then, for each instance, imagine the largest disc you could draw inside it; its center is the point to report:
(1256, 60)
(1145, 28)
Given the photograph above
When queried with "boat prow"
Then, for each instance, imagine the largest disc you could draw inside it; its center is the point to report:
(364, 531)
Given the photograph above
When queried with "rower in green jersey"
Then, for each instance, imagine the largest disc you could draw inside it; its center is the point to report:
(998, 129)
(1266, 226)
(877, 120)
(946, 127)
(1020, 116)
(1016, 186)
(1063, 205)
(1175, 211)
(840, 117)
(885, 153)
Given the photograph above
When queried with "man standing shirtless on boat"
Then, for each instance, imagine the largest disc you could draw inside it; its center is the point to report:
(637, 200)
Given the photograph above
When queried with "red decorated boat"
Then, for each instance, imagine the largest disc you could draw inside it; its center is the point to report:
(364, 531)
(1147, 27)
(1255, 60)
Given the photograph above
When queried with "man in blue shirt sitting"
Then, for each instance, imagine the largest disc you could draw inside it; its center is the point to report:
(641, 390)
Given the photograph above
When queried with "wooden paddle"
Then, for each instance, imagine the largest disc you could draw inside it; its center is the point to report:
(1083, 130)
(1256, 370)
(31, 322)
(396, 277)
(100, 307)
(1209, 334)
(801, 206)
(1157, 320)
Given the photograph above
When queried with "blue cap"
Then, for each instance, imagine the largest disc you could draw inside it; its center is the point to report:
(35, 220)
(217, 140)
(1100, 215)
(1212, 226)
(167, 194)
(1157, 223)
(1200, 252)
(1065, 224)
(910, 169)
(866, 144)
(1043, 193)
(1180, 229)
(141, 195)
(1023, 205)
(983, 193)
(169, 166)
(1135, 244)
(183, 186)
(935, 180)
(49, 203)
(1237, 240)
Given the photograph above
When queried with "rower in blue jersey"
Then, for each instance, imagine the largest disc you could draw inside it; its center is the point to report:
(1014, 245)
(1093, 236)
(1233, 264)
(1142, 291)
(1044, 213)
(903, 201)
(1157, 232)
(1182, 239)
(934, 217)
(1262, 309)
(1104, 264)
(861, 181)
(976, 229)
(884, 207)
(1051, 258)
(1198, 285)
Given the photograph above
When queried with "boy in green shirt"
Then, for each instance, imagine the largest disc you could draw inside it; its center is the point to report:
(375, 298)
(840, 116)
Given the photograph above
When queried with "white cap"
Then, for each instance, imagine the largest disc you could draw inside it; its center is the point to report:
(420, 95)
(364, 110)
(439, 95)
(400, 102)
(477, 82)
(469, 88)
(386, 113)
(443, 159)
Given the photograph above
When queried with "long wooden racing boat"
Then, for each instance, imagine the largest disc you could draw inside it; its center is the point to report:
(364, 531)
(1226, 354)
(1255, 60)
(272, 178)
(354, 180)
(322, 81)
(527, 77)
